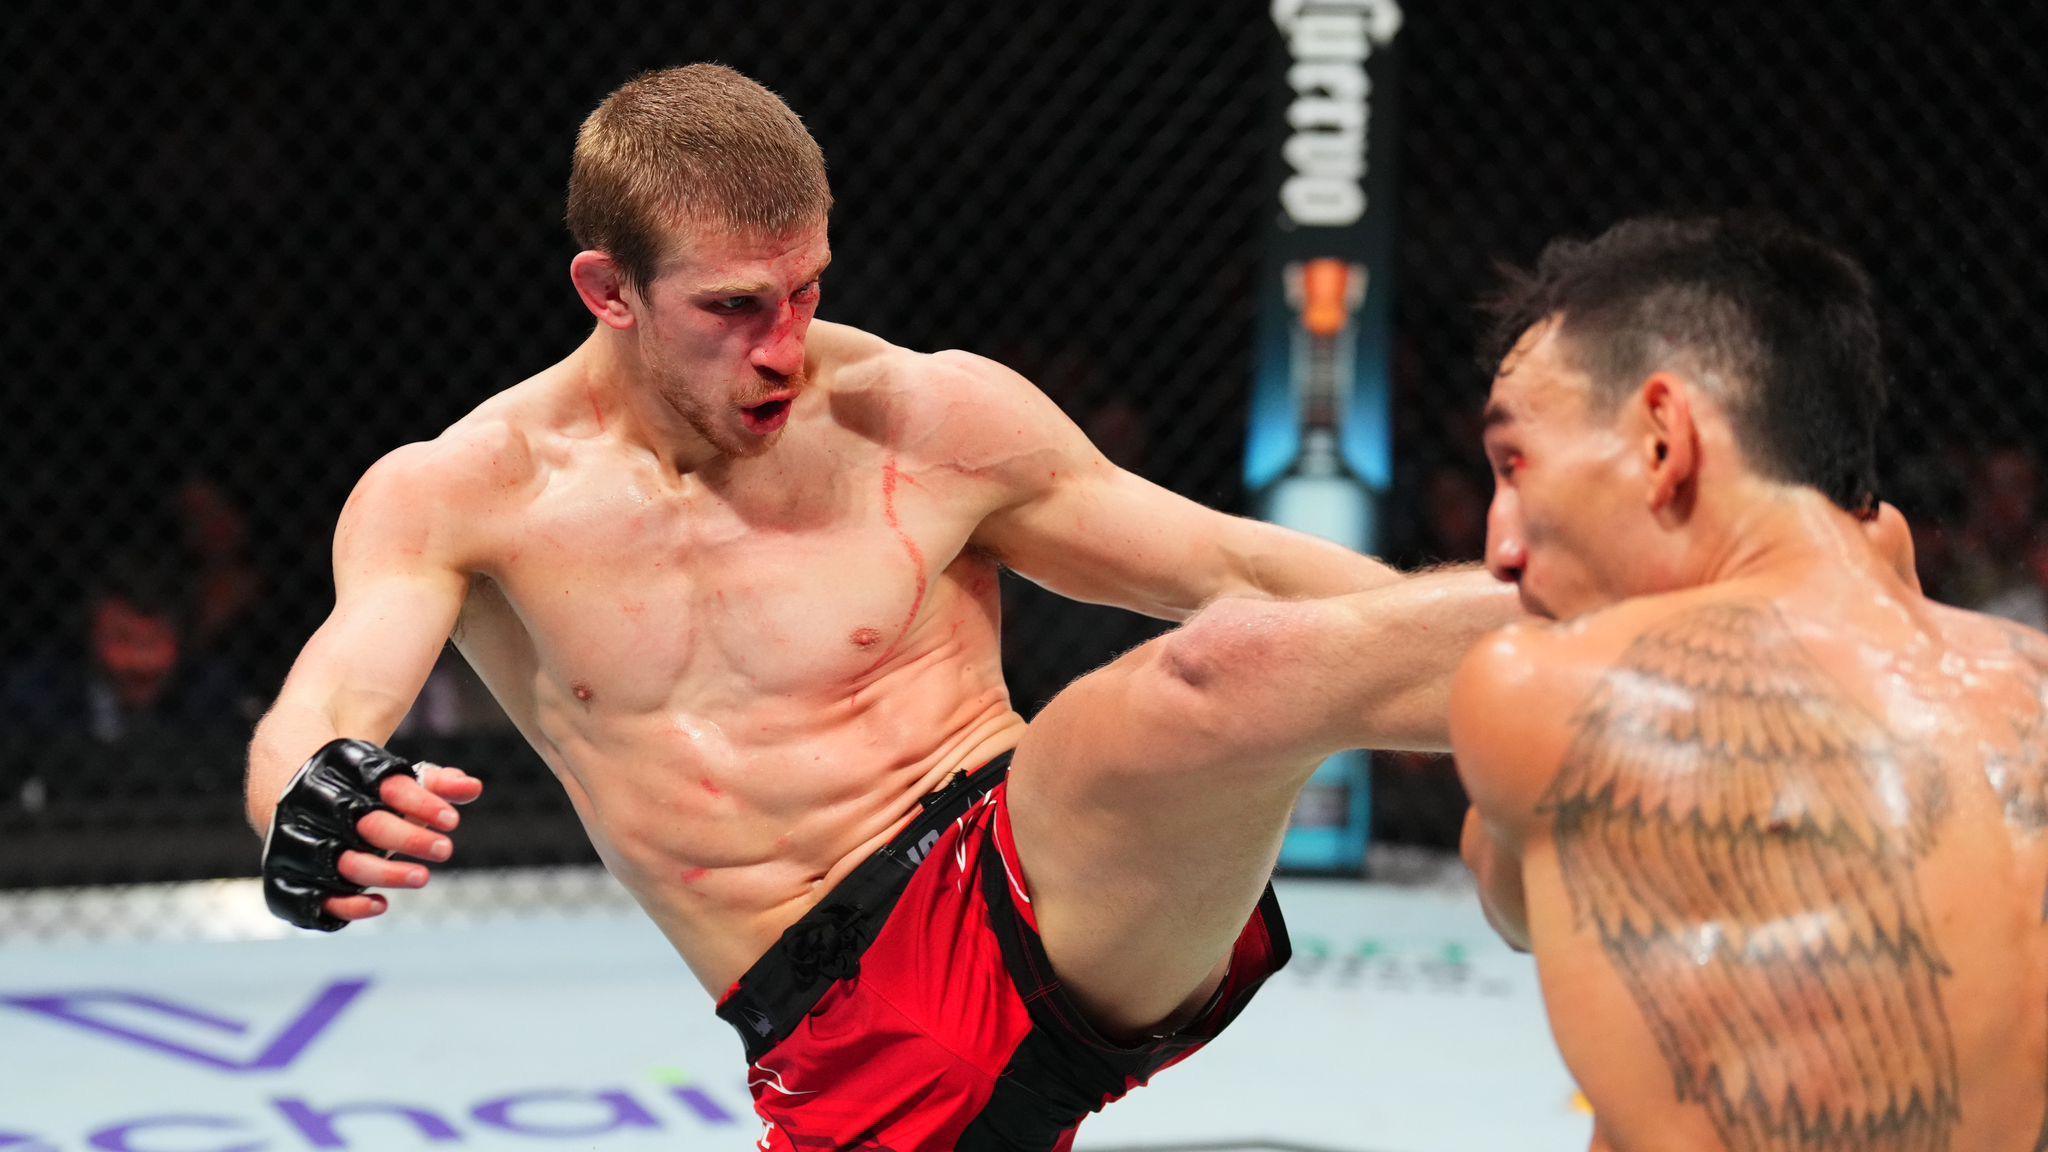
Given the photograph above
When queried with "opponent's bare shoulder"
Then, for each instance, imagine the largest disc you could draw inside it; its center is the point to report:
(1510, 697)
(1981, 637)
(1518, 693)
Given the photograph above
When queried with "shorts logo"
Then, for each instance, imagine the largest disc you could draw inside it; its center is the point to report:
(758, 1021)
(772, 1080)
(923, 847)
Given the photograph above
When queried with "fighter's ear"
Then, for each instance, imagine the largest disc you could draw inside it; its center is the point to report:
(602, 287)
(1670, 442)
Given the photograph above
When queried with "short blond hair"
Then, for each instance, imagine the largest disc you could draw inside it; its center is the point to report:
(698, 145)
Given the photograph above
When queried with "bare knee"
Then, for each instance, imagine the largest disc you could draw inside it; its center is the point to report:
(1206, 705)
(1227, 643)
(1236, 680)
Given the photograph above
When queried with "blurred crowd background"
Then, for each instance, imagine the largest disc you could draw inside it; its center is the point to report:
(252, 247)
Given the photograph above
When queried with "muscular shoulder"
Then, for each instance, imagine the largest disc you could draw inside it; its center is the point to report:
(915, 394)
(457, 471)
(1533, 672)
(437, 498)
(850, 364)
(1527, 694)
(1511, 700)
(965, 413)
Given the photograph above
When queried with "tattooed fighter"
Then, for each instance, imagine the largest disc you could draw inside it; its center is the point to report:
(1769, 820)
(733, 574)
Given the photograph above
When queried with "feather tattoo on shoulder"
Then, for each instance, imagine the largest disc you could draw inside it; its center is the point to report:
(1742, 837)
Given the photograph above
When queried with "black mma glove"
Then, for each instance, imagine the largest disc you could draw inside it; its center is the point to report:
(315, 823)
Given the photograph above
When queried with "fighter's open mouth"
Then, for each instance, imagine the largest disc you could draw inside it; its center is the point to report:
(766, 418)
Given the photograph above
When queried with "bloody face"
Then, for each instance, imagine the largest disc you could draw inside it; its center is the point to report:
(723, 326)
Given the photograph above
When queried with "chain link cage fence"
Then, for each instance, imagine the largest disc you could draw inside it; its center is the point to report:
(252, 248)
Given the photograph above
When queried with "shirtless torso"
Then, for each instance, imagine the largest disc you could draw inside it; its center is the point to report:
(1768, 818)
(746, 674)
(734, 575)
(1776, 844)
(745, 681)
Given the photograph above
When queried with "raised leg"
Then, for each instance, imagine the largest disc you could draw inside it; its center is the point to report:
(1149, 797)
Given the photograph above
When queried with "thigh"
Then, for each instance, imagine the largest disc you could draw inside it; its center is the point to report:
(1148, 815)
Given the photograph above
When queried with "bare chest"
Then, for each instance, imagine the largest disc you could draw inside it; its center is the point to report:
(646, 599)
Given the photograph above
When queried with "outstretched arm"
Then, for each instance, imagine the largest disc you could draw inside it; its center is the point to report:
(1082, 527)
(397, 594)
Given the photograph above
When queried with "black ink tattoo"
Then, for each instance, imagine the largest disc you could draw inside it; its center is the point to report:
(1743, 839)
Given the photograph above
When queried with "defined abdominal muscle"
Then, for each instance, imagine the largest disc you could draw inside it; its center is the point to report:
(726, 842)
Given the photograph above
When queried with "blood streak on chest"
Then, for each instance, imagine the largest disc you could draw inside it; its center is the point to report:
(891, 477)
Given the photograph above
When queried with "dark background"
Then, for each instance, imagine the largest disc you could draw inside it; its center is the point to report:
(250, 248)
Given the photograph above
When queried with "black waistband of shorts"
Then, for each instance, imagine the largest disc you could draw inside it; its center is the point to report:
(825, 945)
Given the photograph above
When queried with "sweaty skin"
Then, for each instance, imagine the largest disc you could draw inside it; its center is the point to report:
(1778, 875)
(1775, 835)
(744, 679)
(746, 673)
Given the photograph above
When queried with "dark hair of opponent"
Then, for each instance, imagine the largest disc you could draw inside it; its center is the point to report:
(1777, 324)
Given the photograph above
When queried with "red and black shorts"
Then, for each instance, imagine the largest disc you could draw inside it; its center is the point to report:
(913, 1010)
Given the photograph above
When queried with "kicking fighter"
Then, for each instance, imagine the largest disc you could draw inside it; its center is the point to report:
(1770, 821)
(733, 574)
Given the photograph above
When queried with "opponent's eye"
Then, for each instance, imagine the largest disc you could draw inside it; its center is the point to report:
(807, 292)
